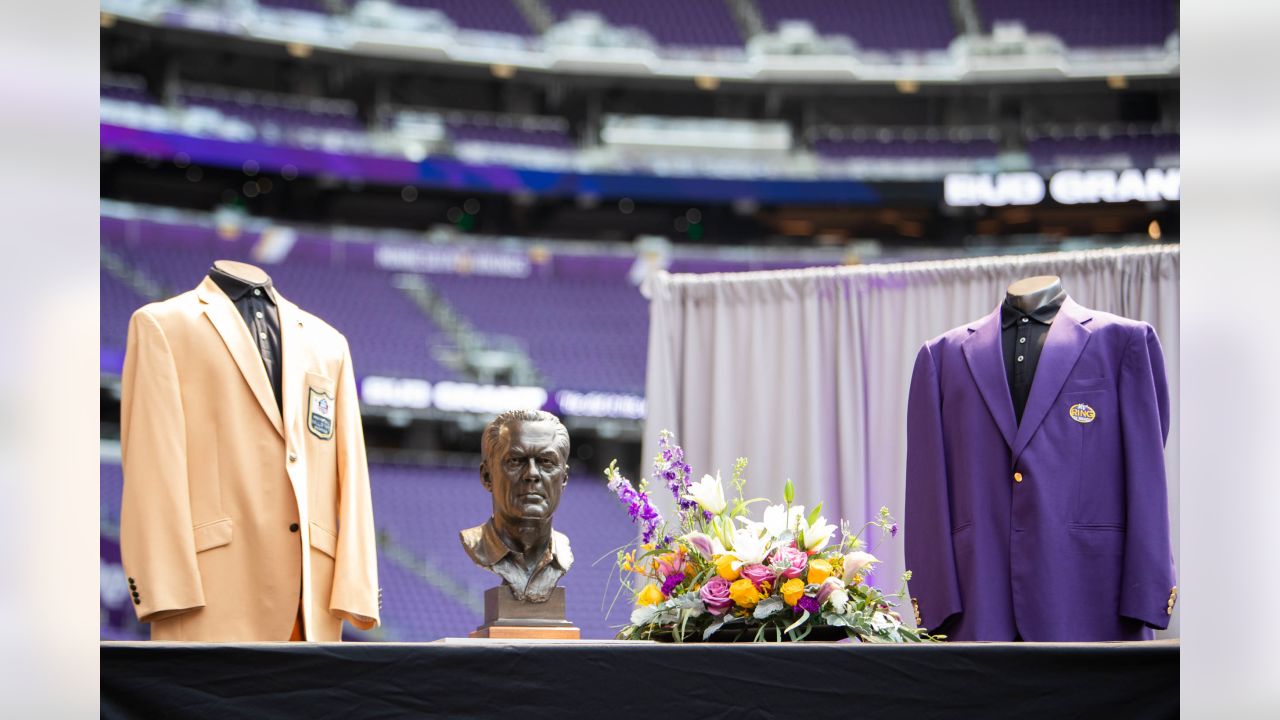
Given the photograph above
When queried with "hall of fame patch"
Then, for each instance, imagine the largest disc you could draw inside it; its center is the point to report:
(320, 414)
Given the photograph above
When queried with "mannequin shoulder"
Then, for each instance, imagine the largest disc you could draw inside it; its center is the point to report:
(168, 313)
(316, 329)
(1118, 328)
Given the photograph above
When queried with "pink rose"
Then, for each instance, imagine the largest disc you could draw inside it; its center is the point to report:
(758, 574)
(789, 561)
(715, 595)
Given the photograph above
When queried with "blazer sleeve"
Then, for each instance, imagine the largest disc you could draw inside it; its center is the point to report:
(1147, 583)
(355, 597)
(930, 555)
(157, 545)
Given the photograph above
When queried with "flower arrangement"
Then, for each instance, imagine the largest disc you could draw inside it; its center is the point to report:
(717, 572)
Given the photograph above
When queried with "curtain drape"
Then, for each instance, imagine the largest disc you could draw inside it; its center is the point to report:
(806, 372)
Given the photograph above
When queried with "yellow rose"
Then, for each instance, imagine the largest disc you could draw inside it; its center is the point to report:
(724, 567)
(819, 570)
(744, 593)
(650, 595)
(792, 591)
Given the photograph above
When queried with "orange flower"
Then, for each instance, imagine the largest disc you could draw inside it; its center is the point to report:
(792, 591)
(744, 593)
(650, 595)
(724, 567)
(819, 570)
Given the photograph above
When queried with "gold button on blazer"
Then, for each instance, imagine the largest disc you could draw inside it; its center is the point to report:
(236, 514)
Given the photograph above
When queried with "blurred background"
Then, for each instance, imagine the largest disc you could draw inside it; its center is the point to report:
(474, 192)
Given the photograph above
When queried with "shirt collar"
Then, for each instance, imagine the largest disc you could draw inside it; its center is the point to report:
(491, 548)
(236, 288)
(1043, 314)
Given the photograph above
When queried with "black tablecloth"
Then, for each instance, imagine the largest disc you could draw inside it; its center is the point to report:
(514, 680)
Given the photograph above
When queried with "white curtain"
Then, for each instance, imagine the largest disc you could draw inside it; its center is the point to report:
(806, 372)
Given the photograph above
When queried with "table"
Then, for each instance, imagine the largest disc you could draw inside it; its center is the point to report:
(613, 679)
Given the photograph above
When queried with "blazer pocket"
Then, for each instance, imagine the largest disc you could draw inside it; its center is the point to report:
(212, 534)
(1094, 383)
(320, 381)
(961, 527)
(324, 541)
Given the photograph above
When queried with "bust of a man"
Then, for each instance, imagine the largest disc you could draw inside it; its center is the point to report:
(525, 466)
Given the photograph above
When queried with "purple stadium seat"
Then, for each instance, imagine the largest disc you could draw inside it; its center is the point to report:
(689, 23)
(581, 335)
(839, 149)
(460, 131)
(491, 15)
(873, 24)
(1089, 23)
(286, 117)
(1142, 150)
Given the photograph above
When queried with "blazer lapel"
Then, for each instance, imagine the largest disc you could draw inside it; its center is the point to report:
(1063, 346)
(291, 362)
(235, 334)
(985, 356)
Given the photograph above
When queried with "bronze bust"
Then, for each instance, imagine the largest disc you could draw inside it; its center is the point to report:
(525, 466)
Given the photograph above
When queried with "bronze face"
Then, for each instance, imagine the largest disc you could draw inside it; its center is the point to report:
(527, 476)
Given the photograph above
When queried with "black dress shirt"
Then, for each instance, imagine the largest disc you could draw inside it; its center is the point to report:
(1023, 335)
(257, 305)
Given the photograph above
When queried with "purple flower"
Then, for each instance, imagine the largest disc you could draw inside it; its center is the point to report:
(893, 530)
(671, 582)
(758, 575)
(807, 604)
(638, 505)
(789, 561)
(715, 595)
(701, 543)
(670, 469)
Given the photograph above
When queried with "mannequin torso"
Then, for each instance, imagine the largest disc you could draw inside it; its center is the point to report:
(1030, 305)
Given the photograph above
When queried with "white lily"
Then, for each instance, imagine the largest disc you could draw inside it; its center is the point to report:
(708, 493)
(856, 563)
(839, 599)
(778, 520)
(816, 535)
(749, 547)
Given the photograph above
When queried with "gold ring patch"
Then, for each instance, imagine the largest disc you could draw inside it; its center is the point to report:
(1082, 413)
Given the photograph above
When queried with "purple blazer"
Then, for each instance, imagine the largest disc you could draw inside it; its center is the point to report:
(1056, 529)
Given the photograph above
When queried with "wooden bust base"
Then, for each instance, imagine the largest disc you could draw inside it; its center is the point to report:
(510, 619)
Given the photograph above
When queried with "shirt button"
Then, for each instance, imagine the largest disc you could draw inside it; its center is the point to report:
(1019, 358)
(293, 457)
(1021, 339)
(256, 291)
(1022, 320)
(264, 337)
(258, 314)
(1017, 477)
